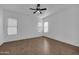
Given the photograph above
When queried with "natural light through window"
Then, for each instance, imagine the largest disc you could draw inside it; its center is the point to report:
(45, 27)
(12, 26)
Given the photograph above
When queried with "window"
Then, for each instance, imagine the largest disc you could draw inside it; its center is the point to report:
(45, 27)
(12, 26)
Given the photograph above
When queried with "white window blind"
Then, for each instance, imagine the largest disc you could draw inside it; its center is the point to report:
(12, 26)
(45, 27)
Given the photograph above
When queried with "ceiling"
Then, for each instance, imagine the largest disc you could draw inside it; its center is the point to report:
(24, 8)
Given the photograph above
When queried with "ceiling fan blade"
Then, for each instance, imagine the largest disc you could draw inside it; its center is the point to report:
(32, 9)
(34, 12)
(44, 9)
(40, 12)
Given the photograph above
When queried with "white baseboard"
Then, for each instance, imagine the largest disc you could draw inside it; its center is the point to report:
(64, 41)
(22, 38)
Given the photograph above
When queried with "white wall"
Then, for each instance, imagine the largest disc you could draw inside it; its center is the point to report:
(1, 27)
(63, 25)
(27, 25)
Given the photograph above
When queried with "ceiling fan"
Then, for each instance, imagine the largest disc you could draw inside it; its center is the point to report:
(38, 9)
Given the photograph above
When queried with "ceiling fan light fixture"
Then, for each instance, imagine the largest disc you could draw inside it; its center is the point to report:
(38, 9)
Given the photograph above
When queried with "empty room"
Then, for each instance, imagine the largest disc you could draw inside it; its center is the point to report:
(39, 29)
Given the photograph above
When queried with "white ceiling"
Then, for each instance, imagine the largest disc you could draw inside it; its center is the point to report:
(24, 8)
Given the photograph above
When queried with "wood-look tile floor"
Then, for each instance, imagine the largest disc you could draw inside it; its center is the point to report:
(38, 46)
